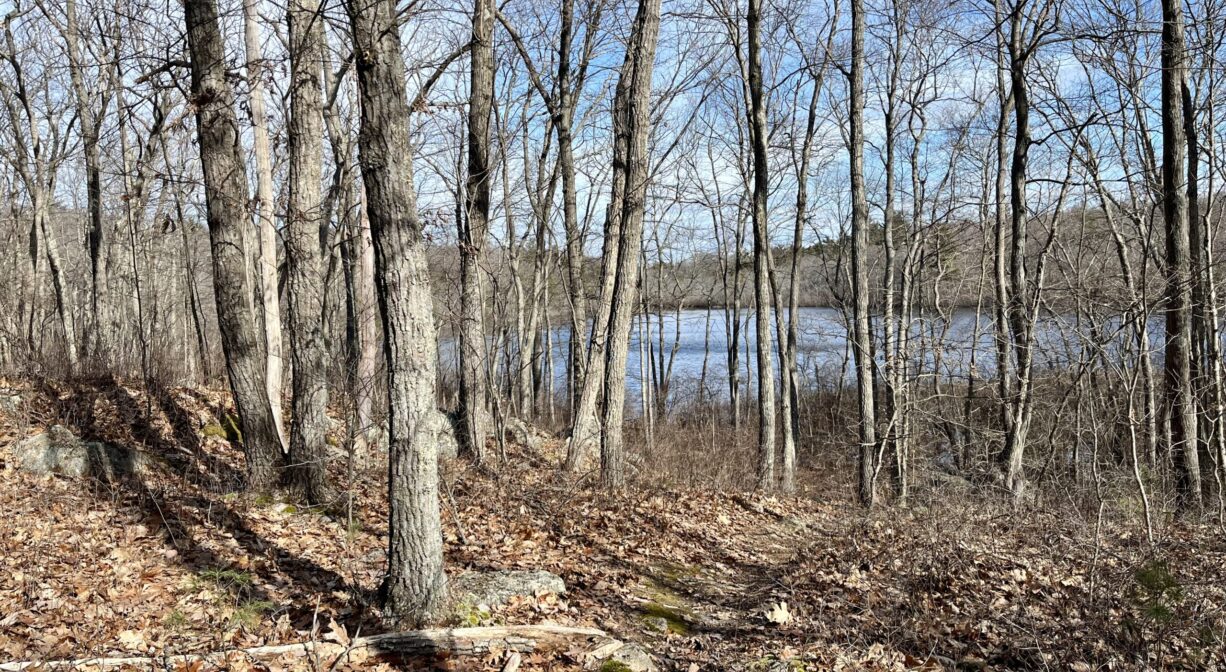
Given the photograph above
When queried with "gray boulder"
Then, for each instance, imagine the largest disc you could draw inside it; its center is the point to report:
(11, 404)
(495, 589)
(525, 434)
(59, 451)
(623, 657)
(441, 427)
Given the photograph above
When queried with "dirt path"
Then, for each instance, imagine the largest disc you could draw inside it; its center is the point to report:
(728, 593)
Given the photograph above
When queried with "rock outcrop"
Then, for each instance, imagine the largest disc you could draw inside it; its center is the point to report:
(494, 589)
(59, 451)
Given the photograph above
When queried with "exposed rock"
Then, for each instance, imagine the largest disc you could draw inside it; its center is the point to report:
(497, 588)
(946, 461)
(11, 404)
(441, 426)
(621, 657)
(525, 434)
(59, 451)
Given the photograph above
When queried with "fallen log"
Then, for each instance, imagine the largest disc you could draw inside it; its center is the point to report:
(453, 641)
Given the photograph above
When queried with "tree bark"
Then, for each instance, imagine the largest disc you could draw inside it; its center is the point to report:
(267, 265)
(415, 588)
(1180, 395)
(473, 230)
(861, 335)
(1019, 402)
(90, 112)
(631, 124)
(763, 296)
(309, 422)
(225, 184)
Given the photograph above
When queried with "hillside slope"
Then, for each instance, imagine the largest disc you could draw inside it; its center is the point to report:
(181, 560)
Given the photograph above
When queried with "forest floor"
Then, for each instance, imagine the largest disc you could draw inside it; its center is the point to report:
(182, 562)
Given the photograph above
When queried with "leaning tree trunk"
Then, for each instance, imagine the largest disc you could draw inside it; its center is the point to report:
(307, 449)
(472, 234)
(1180, 395)
(225, 189)
(415, 588)
(861, 336)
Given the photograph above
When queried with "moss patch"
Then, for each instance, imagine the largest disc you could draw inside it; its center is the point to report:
(233, 433)
(470, 615)
(213, 430)
(674, 618)
(615, 666)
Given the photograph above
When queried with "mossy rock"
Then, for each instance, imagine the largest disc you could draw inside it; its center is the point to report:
(665, 609)
(628, 658)
(666, 619)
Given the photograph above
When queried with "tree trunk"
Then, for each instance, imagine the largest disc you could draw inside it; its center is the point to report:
(90, 111)
(267, 265)
(861, 335)
(307, 450)
(1018, 309)
(631, 124)
(415, 588)
(472, 234)
(763, 296)
(1180, 396)
(225, 182)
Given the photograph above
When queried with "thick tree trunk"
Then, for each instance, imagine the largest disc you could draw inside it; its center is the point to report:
(415, 588)
(225, 185)
(1180, 395)
(631, 125)
(307, 449)
(267, 266)
(474, 407)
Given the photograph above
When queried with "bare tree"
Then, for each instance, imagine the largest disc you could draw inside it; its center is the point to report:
(473, 232)
(39, 132)
(1181, 398)
(415, 588)
(861, 337)
(305, 225)
(756, 105)
(225, 187)
(267, 232)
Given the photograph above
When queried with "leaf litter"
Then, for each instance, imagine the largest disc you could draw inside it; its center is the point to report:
(184, 562)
